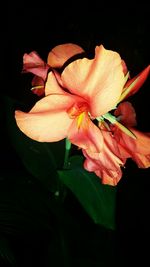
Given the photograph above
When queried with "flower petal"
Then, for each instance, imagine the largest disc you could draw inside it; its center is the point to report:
(52, 86)
(48, 120)
(138, 149)
(85, 134)
(34, 64)
(100, 80)
(106, 164)
(110, 179)
(134, 84)
(125, 111)
(124, 66)
(61, 53)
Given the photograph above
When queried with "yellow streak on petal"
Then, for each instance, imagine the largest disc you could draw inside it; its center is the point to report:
(80, 119)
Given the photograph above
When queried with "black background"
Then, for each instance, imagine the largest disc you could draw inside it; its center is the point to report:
(123, 29)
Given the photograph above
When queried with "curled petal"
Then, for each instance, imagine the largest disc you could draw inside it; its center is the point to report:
(99, 80)
(106, 164)
(85, 134)
(125, 111)
(34, 64)
(112, 178)
(48, 120)
(61, 53)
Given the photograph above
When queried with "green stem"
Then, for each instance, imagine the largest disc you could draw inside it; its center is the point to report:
(67, 150)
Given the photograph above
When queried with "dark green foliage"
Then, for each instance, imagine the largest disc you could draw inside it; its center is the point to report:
(97, 199)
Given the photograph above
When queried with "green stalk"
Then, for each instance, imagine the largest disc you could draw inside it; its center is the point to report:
(67, 151)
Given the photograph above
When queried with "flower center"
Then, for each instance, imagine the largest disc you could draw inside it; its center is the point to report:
(77, 109)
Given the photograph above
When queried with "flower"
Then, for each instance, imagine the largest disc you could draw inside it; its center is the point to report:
(86, 89)
(76, 93)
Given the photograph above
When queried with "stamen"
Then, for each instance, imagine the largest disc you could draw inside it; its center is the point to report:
(77, 109)
(37, 87)
(112, 119)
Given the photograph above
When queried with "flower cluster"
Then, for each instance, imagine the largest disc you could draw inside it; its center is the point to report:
(81, 99)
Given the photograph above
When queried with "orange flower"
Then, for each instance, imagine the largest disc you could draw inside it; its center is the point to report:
(86, 88)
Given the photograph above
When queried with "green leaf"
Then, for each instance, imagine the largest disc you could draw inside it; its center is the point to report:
(97, 199)
(37, 157)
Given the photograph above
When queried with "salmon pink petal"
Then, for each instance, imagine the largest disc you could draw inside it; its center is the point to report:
(48, 127)
(138, 149)
(112, 145)
(48, 120)
(125, 111)
(106, 159)
(134, 84)
(110, 179)
(85, 134)
(52, 86)
(61, 53)
(34, 64)
(107, 162)
(105, 165)
(143, 161)
(99, 80)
